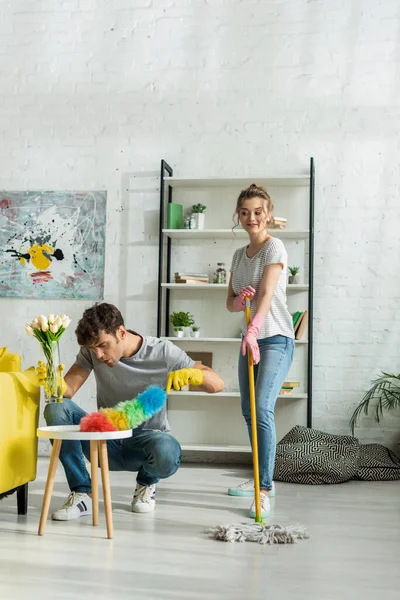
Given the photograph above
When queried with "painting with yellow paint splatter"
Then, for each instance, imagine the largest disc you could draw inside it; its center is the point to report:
(52, 244)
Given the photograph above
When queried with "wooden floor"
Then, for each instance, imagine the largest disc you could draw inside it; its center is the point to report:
(353, 551)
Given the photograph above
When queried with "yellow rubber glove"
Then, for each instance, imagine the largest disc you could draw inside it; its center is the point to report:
(177, 379)
(41, 371)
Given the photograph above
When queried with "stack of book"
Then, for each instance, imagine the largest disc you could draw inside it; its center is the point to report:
(192, 278)
(300, 322)
(288, 387)
(279, 223)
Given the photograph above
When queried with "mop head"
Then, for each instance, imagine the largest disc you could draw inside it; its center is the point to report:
(257, 532)
(126, 415)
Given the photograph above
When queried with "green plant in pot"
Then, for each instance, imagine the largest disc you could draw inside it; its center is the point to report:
(293, 277)
(385, 390)
(198, 211)
(195, 332)
(180, 320)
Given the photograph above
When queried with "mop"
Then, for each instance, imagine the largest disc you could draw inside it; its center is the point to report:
(258, 531)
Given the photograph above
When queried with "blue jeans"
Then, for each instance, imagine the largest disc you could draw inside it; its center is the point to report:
(276, 356)
(153, 454)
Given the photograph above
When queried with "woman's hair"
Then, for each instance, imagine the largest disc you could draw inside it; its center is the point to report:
(100, 317)
(254, 191)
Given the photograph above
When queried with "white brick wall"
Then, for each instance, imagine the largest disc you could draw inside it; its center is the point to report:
(95, 91)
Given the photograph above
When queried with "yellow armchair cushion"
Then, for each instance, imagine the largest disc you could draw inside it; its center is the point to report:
(9, 362)
(19, 415)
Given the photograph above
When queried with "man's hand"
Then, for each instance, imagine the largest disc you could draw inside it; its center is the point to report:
(177, 379)
(41, 371)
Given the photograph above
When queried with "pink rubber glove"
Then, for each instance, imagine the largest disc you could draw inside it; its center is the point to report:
(250, 339)
(239, 303)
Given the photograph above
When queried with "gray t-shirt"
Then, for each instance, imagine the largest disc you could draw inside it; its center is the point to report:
(250, 271)
(151, 365)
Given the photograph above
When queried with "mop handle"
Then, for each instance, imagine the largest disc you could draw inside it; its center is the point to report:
(253, 413)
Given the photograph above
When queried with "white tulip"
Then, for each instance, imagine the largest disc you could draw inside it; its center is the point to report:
(50, 318)
(35, 324)
(29, 329)
(54, 328)
(43, 323)
(57, 324)
(65, 321)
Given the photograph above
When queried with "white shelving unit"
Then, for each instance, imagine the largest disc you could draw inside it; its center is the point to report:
(205, 422)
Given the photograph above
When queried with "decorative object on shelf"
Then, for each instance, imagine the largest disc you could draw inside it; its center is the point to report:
(220, 273)
(192, 278)
(293, 278)
(198, 216)
(174, 215)
(195, 332)
(48, 330)
(181, 321)
(187, 223)
(386, 391)
(126, 415)
(288, 387)
(279, 223)
(300, 329)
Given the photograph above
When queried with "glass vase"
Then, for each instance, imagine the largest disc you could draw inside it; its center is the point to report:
(53, 380)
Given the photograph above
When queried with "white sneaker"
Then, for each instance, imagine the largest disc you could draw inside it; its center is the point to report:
(144, 498)
(247, 489)
(77, 505)
(265, 507)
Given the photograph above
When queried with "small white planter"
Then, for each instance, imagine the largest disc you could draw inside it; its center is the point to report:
(198, 219)
(195, 334)
(178, 333)
(293, 279)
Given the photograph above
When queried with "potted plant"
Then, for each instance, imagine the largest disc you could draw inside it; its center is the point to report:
(181, 321)
(386, 391)
(198, 215)
(195, 333)
(293, 275)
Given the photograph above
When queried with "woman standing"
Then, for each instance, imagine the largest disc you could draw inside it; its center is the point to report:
(259, 270)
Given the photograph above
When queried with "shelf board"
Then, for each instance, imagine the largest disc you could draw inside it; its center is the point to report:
(214, 448)
(230, 394)
(223, 286)
(213, 339)
(199, 286)
(194, 234)
(207, 182)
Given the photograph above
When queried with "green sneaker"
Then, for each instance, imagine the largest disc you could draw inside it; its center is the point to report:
(247, 489)
(265, 507)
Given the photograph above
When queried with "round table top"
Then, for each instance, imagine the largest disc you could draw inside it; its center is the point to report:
(71, 432)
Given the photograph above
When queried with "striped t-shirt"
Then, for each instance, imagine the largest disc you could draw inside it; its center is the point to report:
(249, 271)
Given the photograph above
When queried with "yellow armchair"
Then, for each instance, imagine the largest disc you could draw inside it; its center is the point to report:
(19, 415)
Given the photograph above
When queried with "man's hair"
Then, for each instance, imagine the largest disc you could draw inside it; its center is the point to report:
(98, 318)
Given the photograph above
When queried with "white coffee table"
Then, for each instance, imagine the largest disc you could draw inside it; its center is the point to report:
(98, 447)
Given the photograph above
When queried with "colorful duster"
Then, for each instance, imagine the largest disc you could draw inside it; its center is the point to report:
(126, 415)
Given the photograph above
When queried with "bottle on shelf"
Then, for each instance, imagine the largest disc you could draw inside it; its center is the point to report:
(220, 273)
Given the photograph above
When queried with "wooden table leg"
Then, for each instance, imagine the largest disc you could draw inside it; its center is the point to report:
(94, 468)
(105, 478)
(55, 453)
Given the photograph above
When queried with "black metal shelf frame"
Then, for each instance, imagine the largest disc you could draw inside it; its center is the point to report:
(164, 272)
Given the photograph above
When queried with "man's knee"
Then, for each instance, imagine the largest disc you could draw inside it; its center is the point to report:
(167, 455)
(58, 413)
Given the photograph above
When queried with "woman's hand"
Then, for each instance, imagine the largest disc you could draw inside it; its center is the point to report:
(239, 302)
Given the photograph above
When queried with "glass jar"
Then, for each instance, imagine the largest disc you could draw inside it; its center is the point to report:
(220, 273)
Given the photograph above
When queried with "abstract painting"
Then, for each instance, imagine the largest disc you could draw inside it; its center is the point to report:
(52, 244)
